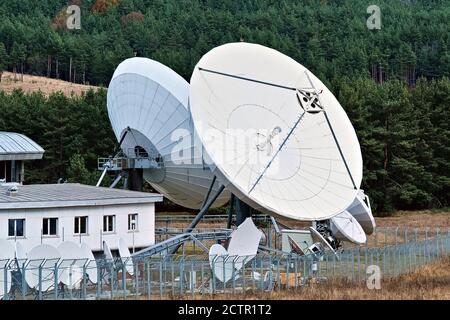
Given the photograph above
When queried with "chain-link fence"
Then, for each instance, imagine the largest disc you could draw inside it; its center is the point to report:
(162, 276)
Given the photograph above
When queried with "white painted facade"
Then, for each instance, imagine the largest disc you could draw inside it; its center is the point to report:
(32, 205)
(143, 236)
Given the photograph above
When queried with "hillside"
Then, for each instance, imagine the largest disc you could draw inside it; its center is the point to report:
(46, 85)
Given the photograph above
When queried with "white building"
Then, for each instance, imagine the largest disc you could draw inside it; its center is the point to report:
(54, 213)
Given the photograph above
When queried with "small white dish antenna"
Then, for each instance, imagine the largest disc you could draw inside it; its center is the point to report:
(107, 252)
(47, 257)
(6, 250)
(345, 227)
(221, 263)
(91, 266)
(278, 138)
(125, 255)
(361, 210)
(6, 255)
(295, 247)
(244, 242)
(73, 259)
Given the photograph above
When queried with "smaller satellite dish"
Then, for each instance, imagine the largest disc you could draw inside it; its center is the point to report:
(6, 254)
(361, 210)
(107, 252)
(21, 254)
(44, 256)
(125, 254)
(221, 263)
(295, 247)
(73, 260)
(244, 242)
(318, 238)
(3, 265)
(6, 250)
(91, 266)
(345, 227)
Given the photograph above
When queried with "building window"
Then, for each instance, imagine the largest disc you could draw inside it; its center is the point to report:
(109, 223)
(132, 222)
(16, 227)
(80, 226)
(50, 226)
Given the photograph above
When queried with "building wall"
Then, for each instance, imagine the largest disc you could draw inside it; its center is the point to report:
(144, 235)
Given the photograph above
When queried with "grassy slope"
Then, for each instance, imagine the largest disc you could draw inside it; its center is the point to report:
(45, 85)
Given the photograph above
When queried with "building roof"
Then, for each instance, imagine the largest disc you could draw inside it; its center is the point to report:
(70, 195)
(16, 146)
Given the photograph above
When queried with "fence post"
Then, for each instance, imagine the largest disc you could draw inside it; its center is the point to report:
(55, 281)
(160, 278)
(40, 281)
(124, 280)
(24, 283)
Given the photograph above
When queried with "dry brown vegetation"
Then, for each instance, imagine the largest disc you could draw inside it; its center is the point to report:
(46, 85)
(410, 219)
(428, 282)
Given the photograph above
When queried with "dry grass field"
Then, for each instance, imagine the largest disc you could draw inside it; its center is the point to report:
(43, 84)
(410, 219)
(429, 282)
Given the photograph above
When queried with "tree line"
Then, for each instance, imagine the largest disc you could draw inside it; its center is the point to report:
(330, 37)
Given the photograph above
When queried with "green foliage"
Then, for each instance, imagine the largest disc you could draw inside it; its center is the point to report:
(76, 171)
(329, 37)
(404, 136)
(63, 126)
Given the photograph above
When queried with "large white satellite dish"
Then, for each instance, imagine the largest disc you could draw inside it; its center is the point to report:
(345, 227)
(73, 259)
(152, 100)
(125, 255)
(46, 256)
(6, 255)
(91, 266)
(300, 156)
(361, 210)
(221, 263)
(244, 242)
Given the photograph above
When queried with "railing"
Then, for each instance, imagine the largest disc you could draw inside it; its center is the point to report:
(159, 276)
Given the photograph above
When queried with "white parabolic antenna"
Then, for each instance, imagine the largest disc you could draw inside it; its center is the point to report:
(360, 209)
(345, 227)
(244, 242)
(152, 100)
(91, 267)
(300, 157)
(6, 254)
(125, 255)
(107, 252)
(45, 256)
(221, 263)
(73, 260)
